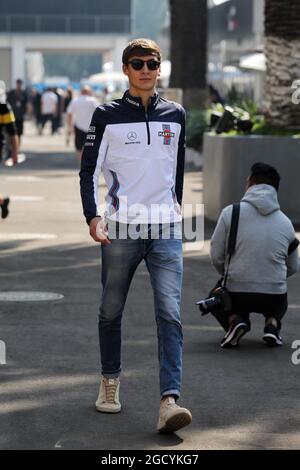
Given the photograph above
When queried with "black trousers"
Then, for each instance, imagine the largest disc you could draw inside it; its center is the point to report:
(80, 137)
(45, 118)
(19, 126)
(244, 303)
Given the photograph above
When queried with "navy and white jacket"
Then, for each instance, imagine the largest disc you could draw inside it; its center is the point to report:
(141, 154)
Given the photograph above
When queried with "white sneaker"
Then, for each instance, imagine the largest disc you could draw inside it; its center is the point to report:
(171, 416)
(108, 399)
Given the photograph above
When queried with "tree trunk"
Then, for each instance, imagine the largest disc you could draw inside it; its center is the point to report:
(188, 50)
(282, 48)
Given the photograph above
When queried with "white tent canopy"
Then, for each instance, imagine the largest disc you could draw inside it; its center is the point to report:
(255, 62)
(106, 77)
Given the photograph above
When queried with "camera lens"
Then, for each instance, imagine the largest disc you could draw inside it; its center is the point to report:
(208, 305)
(202, 306)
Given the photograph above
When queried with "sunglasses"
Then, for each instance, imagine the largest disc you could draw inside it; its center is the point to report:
(138, 64)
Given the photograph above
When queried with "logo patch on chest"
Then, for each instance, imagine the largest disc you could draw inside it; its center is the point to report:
(132, 138)
(166, 134)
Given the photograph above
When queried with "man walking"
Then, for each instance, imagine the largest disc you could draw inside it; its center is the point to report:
(7, 123)
(79, 115)
(49, 109)
(139, 143)
(17, 98)
(265, 255)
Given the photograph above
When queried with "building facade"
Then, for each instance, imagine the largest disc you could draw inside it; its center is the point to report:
(100, 26)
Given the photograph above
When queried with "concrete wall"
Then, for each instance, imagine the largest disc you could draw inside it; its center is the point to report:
(111, 45)
(5, 70)
(226, 165)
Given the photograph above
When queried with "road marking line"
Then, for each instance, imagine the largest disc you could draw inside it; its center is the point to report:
(27, 296)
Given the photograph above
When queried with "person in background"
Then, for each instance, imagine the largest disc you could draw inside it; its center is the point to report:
(68, 96)
(36, 98)
(34, 106)
(7, 123)
(79, 115)
(17, 98)
(266, 253)
(57, 120)
(49, 109)
(214, 95)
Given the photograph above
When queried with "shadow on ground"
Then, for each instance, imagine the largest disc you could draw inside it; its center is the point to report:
(239, 399)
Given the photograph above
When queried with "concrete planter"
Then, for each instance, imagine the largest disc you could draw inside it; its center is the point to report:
(227, 161)
(193, 157)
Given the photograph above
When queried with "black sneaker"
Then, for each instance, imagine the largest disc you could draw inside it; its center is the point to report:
(4, 208)
(236, 331)
(271, 336)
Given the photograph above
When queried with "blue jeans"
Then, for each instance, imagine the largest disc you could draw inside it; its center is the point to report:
(163, 258)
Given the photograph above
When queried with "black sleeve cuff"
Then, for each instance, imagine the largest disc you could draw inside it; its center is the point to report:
(293, 246)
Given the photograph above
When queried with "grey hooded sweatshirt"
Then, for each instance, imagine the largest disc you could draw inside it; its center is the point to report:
(261, 262)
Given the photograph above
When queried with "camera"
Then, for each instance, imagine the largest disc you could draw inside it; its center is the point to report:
(230, 119)
(219, 301)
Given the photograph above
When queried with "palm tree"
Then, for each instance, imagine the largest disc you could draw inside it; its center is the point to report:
(282, 48)
(188, 50)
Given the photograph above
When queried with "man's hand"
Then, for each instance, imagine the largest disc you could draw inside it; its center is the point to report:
(98, 231)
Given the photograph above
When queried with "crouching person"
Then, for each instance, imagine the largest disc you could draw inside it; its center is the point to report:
(266, 253)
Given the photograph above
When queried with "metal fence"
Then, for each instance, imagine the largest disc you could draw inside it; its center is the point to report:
(84, 24)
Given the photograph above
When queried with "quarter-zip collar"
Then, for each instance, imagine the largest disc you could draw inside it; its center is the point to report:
(135, 102)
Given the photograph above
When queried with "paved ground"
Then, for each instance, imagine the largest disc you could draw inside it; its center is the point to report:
(245, 399)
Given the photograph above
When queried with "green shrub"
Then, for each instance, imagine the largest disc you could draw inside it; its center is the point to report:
(196, 124)
(260, 127)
